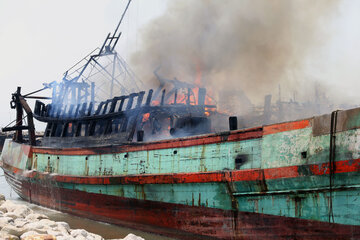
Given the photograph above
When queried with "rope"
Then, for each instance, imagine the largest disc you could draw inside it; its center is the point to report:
(42, 89)
(16, 122)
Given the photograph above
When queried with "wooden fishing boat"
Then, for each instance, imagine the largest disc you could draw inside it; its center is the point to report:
(150, 160)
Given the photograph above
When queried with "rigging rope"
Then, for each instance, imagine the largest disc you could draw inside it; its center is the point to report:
(16, 122)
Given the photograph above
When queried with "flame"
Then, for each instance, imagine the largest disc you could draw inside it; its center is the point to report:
(155, 103)
(192, 98)
(146, 117)
(182, 96)
(207, 111)
(209, 100)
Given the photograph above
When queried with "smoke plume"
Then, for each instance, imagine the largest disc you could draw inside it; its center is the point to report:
(242, 49)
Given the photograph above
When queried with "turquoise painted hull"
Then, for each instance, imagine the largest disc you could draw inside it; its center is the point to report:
(281, 170)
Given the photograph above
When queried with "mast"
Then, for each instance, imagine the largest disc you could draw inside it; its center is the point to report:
(83, 75)
(106, 45)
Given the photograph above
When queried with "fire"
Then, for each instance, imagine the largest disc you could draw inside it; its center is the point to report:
(186, 96)
(146, 117)
(181, 97)
(209, 100)
(155, 103)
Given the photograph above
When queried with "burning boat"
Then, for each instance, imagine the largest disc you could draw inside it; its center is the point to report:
(151, 160)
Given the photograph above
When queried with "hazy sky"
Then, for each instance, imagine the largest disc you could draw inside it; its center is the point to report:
(40, 40)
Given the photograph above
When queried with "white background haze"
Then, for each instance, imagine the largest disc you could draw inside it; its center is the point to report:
(40, 40)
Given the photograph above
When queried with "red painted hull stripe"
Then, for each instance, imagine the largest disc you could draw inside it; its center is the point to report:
(346, 166)
(288, 126)
(233, 136)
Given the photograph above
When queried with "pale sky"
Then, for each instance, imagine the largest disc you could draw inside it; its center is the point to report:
(41, 39)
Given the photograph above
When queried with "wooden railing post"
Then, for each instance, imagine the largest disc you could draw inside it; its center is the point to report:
(30, 120)
(18, 137)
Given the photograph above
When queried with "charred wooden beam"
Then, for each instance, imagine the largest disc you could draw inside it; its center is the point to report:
(106, 106)
(113, 104)
(201, 96)
(91, 105)
(47, 110)
(175, 96)
(18, 137)
(121, 103)
(71, 109)
(63, 111)
(82, 111)
(98, 110)
(64, 130)
(162, 98)
(149, 97)
(188, 96)
(53, 129)
(30, 120)
(77, 109)
(165, 109)
(140, 99)
(20, 104)
(78, 129)
(130, 101)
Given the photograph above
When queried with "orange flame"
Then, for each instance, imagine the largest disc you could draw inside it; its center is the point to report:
(155, 103)
(183, 96)
(146, 117)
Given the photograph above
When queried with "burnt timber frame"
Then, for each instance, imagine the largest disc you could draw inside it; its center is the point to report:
(19, 103)
(122, 114)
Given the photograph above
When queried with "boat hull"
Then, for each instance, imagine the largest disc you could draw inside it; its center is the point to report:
(176, 220)
(264, 183)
